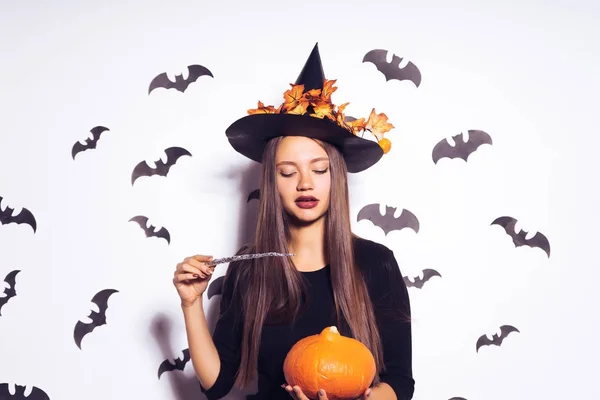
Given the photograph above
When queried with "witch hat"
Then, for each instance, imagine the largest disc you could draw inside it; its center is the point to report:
(312, 75)
(308, 111)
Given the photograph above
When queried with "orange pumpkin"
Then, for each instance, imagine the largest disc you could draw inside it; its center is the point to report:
(342, 366)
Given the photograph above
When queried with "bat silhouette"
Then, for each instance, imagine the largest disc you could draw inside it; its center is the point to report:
(496, 340)
(457, 398)
(215, 288)
(255, 194)
(167, 366)
(36, 393)
(163, 81)
(388, 222)
(98, 318)
(10, 292)
(461, 149)
(24, 217)
(162, 168)
(90, 143)
(392, 70)
(149, 230)
(538, 240)
(419, 282)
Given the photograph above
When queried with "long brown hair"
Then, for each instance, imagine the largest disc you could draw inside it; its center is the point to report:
(273, 290)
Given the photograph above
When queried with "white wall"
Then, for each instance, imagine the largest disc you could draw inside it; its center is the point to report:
(526, 73)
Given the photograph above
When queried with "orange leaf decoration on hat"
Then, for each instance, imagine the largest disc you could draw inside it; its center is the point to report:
(296, 101)
(264, 110)
(314, 98)
(339, 114)
(322, 110)
(357, 125)
(328, 89)
(378, 125)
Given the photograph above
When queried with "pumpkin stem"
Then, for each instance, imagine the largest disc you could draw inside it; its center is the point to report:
(330, 332)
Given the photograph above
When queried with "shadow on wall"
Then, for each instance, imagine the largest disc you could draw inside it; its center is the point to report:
(249, 181)
(185, 386)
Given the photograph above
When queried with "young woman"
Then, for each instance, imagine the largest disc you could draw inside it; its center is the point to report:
(306, 148)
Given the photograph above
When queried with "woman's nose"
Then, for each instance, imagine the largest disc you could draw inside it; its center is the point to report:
(305, 182)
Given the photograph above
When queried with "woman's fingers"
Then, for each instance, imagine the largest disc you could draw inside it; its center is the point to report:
(299, 394)
(185, 277)
(201, 269)
(185, 267)
(291, 391)
(202, 258)
(198, 262)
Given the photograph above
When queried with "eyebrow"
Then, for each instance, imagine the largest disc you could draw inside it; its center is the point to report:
(312, 161)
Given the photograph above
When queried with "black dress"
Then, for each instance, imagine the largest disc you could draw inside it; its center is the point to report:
(387, 290)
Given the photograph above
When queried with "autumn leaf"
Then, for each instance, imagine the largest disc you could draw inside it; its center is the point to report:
(261, 109)
(328, 89)
(339, 114)
(322, 110)
(378, 125)
(357, 125)
(313, 96)
(294, 100)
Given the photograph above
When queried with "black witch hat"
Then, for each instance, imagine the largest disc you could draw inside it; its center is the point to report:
(308, 111)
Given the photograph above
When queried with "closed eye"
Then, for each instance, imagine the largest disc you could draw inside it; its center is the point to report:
(322, 171)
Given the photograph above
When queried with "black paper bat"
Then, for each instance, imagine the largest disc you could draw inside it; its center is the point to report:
(90, 143)
(255, 194)
(149, 230)
(163, 81)
(538, 240)
(167, 366)
(461, 149)
(419, 282)
(24, 217)
(162, 168)
(98, 318)
(388, 222)
(36, 393)
(10, 292)
(392, 70)
(496, 340)
(215, 287)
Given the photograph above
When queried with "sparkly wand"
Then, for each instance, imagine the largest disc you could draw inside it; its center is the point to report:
(247, 257)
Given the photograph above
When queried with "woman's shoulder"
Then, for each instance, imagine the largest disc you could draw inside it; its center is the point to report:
(375, 260)
(369, 250)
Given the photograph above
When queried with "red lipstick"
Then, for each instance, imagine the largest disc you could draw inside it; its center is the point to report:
(306, 202)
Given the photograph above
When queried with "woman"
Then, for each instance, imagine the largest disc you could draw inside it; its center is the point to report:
(306, 148)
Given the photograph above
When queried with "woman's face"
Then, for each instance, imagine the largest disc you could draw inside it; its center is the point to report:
(303, 178)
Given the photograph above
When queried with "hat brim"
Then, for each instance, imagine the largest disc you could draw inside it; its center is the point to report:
(250, 134)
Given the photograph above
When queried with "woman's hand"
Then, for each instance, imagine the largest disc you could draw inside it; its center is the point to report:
(191, 278)
(297, 394)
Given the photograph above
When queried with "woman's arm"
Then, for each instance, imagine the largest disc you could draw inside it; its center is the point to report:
(203, 352)
(383, 391)
(392, 311)
(215, 358)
